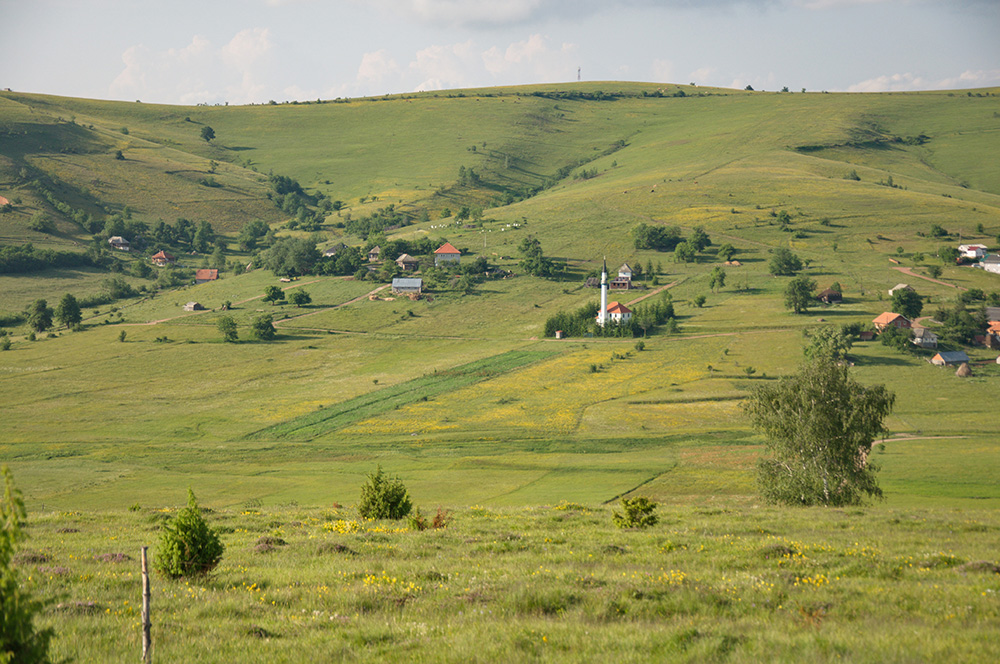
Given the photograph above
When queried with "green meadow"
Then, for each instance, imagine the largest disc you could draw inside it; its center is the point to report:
(528, 441)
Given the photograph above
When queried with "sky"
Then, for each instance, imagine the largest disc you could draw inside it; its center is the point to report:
(254, 51)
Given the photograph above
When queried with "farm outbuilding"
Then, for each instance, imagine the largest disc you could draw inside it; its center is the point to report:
(404, 286)
(829, 296)
(205, 274)
(193, 306)
(899, 287)
(119, 243)
(945, 358)
(408, 263)
(374, 253)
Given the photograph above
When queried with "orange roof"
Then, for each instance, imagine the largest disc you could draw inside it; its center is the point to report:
(618, 308)
(206, 274)
(887, 318)
(4, 201)
(447, 248)
(165, 255)
(994, 327)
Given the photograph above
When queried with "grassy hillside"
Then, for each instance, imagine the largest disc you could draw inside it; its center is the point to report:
(527, 439)
(590, 162)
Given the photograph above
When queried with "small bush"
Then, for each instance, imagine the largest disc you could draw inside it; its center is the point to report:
(441, 519)
(383, 497)
(188, 546)
(638, 513)
(417, 520)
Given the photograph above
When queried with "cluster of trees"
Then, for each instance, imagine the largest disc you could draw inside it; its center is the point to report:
(583, 321)
(534, 261)
(261, 327)
(669, 238)
(381, 220)
(26, 258)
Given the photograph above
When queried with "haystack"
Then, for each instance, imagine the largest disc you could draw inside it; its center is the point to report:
(964, 370)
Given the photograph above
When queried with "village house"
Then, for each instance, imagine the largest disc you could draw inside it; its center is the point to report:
(407, 286)
(991, 263)
(205, 274)
(446, 253)
(119, 243)
(332, 251)
(408, 263)
(889, 318)
(829, 296)
(162, 258)
(924, 338)
(972, 251)
(899, 287)
(945, 358)
(374, 253)
(193, 306)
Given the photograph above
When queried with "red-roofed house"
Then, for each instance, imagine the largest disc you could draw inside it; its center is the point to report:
(3, 201)
(201, 276)
(888, 318)
(162, 258)
(446, 253)
(618, 313)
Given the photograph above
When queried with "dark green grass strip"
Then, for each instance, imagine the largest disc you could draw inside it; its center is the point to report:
(325, 420)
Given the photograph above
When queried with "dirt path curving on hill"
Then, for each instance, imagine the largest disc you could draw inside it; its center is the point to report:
(909, 271)
(652, 293)
(336, 306)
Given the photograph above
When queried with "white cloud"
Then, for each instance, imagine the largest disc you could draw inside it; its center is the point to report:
(444, 66)
(908, 81)
(703, 75)
(247, 48)
(663, 71)
(199, 72)
(532, 59)
(376, 66)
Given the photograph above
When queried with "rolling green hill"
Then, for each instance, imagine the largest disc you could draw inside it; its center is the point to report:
(853, 183)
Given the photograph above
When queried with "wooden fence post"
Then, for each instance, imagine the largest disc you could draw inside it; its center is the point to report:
(146, 642)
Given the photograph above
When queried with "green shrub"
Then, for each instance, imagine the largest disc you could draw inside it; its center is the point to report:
(638, 513)
(188, 546)
(383, 497)
(19, 640)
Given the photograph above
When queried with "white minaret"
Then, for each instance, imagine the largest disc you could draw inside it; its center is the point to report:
(602, 316)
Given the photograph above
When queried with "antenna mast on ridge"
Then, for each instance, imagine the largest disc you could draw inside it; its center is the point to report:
(578, 74)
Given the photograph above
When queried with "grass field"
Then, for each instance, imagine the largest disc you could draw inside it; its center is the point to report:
(721, 581)
(529, 440)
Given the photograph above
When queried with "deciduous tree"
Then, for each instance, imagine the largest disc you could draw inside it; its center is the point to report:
(819, 426)
(784, 263)
(799, 294)
(227, 325)
(273, 294)
(907, 302)
(68, 311)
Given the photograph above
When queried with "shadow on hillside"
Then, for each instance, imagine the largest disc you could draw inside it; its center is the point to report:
(238, 148)
(880, 361)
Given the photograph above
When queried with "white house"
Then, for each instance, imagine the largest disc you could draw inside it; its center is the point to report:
(991, 263)
(972, 251)
(618, 313)
(446, 253)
